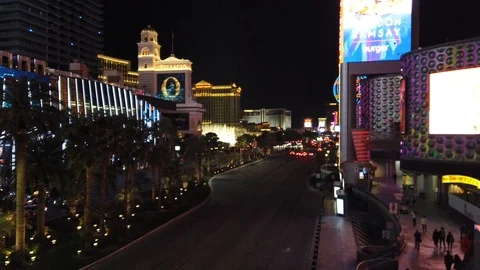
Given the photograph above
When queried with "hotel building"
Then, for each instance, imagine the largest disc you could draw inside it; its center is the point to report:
(169, 80)
(58, 32)
(280, 118)
(221, 102)
(116, 71)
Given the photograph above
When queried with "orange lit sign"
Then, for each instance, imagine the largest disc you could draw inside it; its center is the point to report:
(460, 179)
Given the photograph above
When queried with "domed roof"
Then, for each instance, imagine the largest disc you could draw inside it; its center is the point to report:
(172, 58)
(149, 28)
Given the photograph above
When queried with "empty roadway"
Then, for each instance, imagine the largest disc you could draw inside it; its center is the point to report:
(260, 216)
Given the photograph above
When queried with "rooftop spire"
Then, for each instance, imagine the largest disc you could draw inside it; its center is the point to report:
(173, 39)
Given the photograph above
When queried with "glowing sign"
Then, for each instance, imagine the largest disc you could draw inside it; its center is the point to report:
(171, 87)
(307, 123)
(375, 30)
(460, 179)
(336, 88)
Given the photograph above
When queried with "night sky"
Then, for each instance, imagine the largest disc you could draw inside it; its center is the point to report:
(282, 53)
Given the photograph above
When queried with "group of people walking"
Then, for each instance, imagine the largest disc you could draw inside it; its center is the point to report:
(441, 239)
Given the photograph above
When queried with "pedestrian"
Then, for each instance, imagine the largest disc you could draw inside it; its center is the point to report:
(435, 237)
(424, 222)
(462, 231)
(414, 218)
(450, 241)
(448, 259)
(418, 239)
(442, 238)
(458, 262)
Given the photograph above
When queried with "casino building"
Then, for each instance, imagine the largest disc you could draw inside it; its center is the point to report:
(441, 145)
(116, 71)
(221, 102)
(422, 125)
(169, 79)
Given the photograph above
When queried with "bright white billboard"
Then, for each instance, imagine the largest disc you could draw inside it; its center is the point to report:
(455, 102)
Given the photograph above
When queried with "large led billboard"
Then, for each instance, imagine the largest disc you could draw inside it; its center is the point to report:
(171, 87)
(375, 30)
(454, 102)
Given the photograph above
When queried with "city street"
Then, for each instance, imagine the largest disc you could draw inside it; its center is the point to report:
(260, 216)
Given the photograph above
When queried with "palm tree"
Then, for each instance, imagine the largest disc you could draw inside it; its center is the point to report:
(193, 153)
(209, 143)
(158, 157)
(28, 107)
(82, 151)
(131, 150)
(106, 128)
(160, 152)
(45, 167)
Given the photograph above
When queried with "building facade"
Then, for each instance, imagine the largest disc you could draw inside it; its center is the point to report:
(116, 70)
(88, 97)
(221, 102)
(23, 63)
(169, 80)
(57, 32)
(280, 118)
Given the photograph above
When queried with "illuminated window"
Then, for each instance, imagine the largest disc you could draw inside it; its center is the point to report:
(145, 51)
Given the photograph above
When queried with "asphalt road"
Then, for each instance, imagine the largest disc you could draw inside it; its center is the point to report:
(260, 216)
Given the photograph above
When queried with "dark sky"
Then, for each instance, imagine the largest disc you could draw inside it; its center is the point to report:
(282, 53)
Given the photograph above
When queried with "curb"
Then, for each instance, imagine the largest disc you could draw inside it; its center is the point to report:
(313, 254)
(311, 260)
(172, 221)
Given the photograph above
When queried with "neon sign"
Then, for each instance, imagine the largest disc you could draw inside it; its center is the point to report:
(336, 88)
(460, 179)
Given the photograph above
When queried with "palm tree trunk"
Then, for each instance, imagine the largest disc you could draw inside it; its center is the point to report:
(103, 191)
(154, 184)
(209, 166)
(21, 167)
(198, 169)
(87, 215)
(160, 188)
(133, 172)
(125, 192)
(40, 233)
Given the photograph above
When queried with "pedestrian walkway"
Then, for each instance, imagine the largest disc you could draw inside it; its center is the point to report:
(337, 249)
(428, 257)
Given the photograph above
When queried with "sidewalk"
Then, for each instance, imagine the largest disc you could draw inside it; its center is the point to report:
(337, 249)
(428, 257)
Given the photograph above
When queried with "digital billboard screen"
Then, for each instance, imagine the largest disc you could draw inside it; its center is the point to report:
(375, 30)
(171, 87)
(454, 102)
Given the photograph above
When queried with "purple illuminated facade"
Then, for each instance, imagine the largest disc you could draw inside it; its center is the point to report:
(418, 144)
(380, 106)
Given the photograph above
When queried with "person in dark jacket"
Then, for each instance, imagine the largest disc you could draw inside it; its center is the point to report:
(450, 241)
(436, 237)
(441, 237)
(414, 218)
(462, 231)
(418, 239)
(458, 264)
(448, 259)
